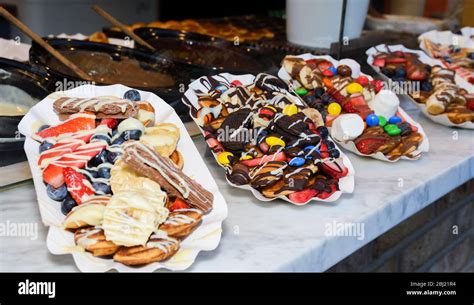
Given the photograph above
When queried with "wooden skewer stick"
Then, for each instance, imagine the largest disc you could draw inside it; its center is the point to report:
(35, 37)
(122, 27)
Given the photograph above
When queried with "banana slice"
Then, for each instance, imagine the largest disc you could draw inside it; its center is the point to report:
(162, 137)
(90, 213)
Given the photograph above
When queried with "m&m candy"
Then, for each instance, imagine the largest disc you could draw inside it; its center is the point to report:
(290, 109)
(301, 91)
(274, 141)
(363, 80)
(297, 161)
(334, 109)
(382, 121)
(354, 88)
(392, 130)
(225, 157)
(333, 70)
(372, 120)
(236, 83)
(221, 88)
(395, 120)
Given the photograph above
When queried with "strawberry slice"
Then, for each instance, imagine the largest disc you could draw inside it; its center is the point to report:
(111, 123)
(76, 123)
(323, 148)
(77, 185)
(64, 146)
(395, 60)
(325, 195)
(369, 146)
(335, 169)
(179, 204)
(77, 159)
(470, 105)
(349, 108)
(378, 84)
(302, 197)
(335, 94)
(324, 65)
(357, 100)
(415, 72)
(379, 62)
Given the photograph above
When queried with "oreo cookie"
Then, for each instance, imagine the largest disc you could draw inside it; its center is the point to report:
(234, 131)
(270, 83)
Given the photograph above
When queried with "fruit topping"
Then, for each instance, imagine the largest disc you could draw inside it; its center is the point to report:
(76, 123)
(77, 185)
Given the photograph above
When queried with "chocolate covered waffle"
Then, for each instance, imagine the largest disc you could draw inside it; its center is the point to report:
(356, 108)
(181, 222)
(438, 90)
(157, 249)
(264, 136)
(93, 240)
(103, 107)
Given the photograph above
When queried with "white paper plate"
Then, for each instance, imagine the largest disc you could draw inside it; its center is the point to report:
(201, 85)
(350, 145)
(468, 31)
(205, 238)
(448, 38)
(440, 119)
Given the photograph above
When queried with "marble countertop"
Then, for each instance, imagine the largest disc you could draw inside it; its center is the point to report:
(278, 236)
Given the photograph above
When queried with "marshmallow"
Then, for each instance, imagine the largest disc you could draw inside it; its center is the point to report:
(385, 103)
(347, 127)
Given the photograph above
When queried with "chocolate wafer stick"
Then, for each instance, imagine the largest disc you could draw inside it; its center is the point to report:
(162, 170)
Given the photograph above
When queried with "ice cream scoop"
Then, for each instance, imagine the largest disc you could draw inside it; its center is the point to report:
(347, 127)
(385, 103)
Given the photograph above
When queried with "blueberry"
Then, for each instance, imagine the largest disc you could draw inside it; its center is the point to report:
(388, 72)
(118, 140)
(68, 204)
(447, 59)
(400, 72)
(93, 173)
(43, 127)
(104, 172)
(98, 159)
(330, 145)
(134, 134)
(56, 194)
(335, 153)
(309, 99)
(113, 156)
(318, 92)
(319, 107)
(45, 146)
(470, 55)
(132, 95)
(98, 137)
(323, 132)
(326, 98)
(102, 188)
(426, 86)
